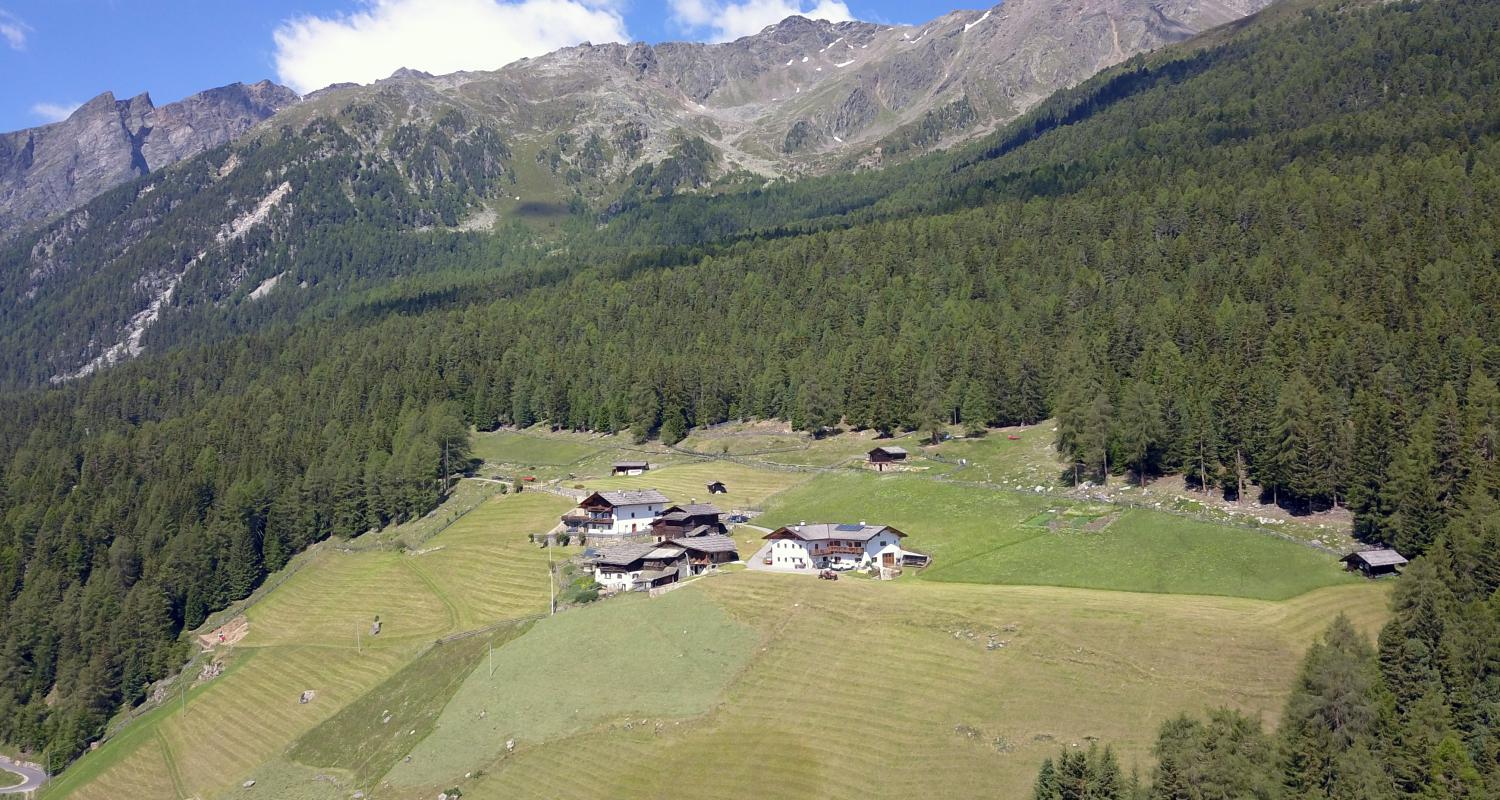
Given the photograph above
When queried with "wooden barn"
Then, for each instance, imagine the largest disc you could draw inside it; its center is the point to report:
(688, 521)
(881, 456)
(630, 468)
(717, 487)
(707, 552)
(1374, 563)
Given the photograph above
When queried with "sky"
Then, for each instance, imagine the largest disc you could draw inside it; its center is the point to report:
(57, 54)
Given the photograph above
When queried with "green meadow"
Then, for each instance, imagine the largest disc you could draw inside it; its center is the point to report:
(1042, 622)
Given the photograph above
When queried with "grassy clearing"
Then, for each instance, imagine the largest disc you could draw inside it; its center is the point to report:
(632, 657)
(849, 448)
(527, 448)
(303, 636)
(862, 689)
(982, 536)
(844, 686)
(1027, 460)
(9, 779)
(487, 569)
(334, 601)
(371, 734)
(466, 496)
(749, 487)
(285, 780)
(737, 443)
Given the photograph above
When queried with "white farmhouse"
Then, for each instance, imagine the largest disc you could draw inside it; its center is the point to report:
(825, 544)
(616, 513)
(638, 567)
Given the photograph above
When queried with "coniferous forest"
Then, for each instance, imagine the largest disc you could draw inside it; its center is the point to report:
(1265, 261)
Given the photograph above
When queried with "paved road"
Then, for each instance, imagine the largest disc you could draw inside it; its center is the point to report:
(34, 777)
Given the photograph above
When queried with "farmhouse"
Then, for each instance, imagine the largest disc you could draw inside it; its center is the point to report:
(881, 456)
(617, 513)
(824, 545)
(1374, 563)
(638, 567)
(706, 552)
(629, 468)
(693, 519)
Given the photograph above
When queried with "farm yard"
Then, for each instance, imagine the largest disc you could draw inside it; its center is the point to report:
(1123, 612)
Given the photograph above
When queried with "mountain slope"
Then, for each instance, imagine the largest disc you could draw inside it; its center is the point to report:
(1291, 231)
(57, 167)
(803, 94)
(182, 253)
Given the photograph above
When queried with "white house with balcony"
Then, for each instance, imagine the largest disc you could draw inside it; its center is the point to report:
(618, 513)
(826, 545)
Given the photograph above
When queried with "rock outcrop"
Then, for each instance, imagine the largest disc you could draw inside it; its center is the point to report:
(54, 168)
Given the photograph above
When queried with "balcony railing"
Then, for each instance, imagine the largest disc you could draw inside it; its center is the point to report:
(587, 519)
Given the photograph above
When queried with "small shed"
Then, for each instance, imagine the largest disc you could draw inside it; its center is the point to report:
(630, 467)
(1374, 563)
(717, 487)
(881, 456)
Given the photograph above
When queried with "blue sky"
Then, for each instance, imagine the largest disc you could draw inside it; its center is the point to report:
(55, 54)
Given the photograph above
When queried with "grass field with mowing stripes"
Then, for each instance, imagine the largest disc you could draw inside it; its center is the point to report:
(634, 657)
(861, 689)
(312, 632)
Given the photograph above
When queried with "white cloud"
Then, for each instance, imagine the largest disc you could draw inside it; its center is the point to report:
(723, 20)
(54, 112)
(436, 36)
(13, 30)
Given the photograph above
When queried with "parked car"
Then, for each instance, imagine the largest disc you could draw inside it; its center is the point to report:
(738, 518)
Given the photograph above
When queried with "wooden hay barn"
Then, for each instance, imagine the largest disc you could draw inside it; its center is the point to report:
(1374, 563)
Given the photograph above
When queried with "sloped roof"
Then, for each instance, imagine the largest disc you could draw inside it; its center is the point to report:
(1383, 557)
(631, 465)
(713, 543)
(624, 555)
(630, 497)
(891, 450)
(823, 531)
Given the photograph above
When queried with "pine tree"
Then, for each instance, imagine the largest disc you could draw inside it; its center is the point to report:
(1371, 455)
(1332, 705)
(1139, 428)
(1411, 493)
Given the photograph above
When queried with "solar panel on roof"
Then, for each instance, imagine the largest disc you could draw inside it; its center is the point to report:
(849, 527)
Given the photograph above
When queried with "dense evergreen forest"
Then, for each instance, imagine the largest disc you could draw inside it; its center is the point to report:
(1269, 261)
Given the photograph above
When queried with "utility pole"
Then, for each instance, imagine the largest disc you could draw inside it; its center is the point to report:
(492, 657)
(551, 589)
(358, 648)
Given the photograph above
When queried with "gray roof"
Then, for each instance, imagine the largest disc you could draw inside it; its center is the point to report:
(823, 531)
(653, 574)
(632, 497)
(631, 465)
(892, 449)
(714, 543)
(1378, 558)
(664, 551)
(701, 509)
(624, 555)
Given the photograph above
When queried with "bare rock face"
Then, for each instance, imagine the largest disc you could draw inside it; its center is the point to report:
(54, 168)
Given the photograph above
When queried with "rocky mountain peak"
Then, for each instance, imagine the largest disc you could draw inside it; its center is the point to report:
(53, 168)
